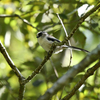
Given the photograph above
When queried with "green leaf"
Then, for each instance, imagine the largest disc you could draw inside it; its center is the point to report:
(94, 25)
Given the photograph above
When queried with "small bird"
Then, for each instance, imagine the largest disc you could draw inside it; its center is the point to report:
(45, 41)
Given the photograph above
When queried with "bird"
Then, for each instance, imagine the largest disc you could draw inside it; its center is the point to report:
(45, 41)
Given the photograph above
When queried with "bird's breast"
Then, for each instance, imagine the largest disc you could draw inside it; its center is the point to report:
(45, 44)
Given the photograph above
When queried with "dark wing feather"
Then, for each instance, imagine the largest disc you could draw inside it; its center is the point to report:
(52, 39)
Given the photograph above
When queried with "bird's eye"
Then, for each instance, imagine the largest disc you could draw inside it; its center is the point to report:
(39, 34)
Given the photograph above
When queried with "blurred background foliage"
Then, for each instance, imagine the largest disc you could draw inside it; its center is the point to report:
(20, 42)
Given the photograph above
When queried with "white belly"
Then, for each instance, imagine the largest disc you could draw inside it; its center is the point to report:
(45, 44)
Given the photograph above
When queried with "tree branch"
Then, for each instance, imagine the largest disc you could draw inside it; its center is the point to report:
(89, 72)
(10, 62)
(67, 37)
(24, 20)
(38, 69)
(81, 20)
(15, 69)
(21, 92)
(65, 79)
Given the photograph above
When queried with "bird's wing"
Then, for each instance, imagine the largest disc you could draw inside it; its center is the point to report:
(52, 39)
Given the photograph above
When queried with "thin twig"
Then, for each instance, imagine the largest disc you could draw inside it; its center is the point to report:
(62, 25)
(16, 15)
(55, 71)
(66, 36)
(95, 77)
(89, 72)
(61, 93)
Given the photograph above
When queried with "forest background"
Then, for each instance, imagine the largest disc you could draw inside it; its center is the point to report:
(66, 75)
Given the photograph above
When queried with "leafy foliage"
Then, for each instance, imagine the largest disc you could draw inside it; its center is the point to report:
(19, 38)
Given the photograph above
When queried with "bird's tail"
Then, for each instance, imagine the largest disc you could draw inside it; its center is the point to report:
(75, 48)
